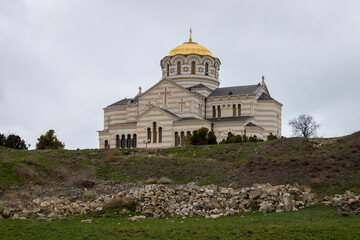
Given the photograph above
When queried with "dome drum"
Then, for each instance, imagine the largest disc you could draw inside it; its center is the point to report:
(190, 64)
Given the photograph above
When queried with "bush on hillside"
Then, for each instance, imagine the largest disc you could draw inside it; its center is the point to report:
(202, 136)
(231, 138)
(12, 141)
(49, 141)
(271, 137)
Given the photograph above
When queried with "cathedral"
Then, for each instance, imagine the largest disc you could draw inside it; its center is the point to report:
(187, 98)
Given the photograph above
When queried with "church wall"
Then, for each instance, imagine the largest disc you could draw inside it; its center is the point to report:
(226, 104)
(103, 135)
(132, 110)
(251, 131)
(116, 114)
(190, 126)
(120, 130)
(221, 130)
(174, 98)
(162, 120)
(268, 116)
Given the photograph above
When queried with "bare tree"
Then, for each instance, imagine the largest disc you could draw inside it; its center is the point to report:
(304, 126)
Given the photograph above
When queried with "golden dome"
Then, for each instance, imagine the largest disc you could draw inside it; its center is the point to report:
(190, 47)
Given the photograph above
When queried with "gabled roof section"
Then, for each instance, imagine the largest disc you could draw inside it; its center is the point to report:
(237, 90)
(198, 86)
(165, 111)
(121, 102)
(168, 112)
(264, 96)
(229, 119)
(190, 119)
(250, 124)
(161, 81)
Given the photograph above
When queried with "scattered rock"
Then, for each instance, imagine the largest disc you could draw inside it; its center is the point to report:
(86, 221)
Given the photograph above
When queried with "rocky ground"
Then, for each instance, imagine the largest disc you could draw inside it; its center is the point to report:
(159, 201)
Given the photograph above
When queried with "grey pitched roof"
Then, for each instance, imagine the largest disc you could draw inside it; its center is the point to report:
(167, 111)
(189, 119)
(124, 101)
(264, 96)
(230, 119)
(237, 90)
(250, 124)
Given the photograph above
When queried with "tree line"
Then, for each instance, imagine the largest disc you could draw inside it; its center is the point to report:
(46, 141)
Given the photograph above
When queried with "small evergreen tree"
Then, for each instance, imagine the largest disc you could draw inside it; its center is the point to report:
(203, 132)
(211, 138)
(202, 136)
(245, 138)
(253, 139)
(238, 138)
(194, 139)
(49, 141)
(230, 138)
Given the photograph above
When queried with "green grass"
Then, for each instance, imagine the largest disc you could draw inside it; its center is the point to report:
(317, 222)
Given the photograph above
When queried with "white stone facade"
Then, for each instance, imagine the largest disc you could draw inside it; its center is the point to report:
(186, 99)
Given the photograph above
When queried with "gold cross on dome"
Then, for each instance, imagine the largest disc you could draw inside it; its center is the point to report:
(190, 40)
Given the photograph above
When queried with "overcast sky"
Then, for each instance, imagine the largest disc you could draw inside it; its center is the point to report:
(63, 61)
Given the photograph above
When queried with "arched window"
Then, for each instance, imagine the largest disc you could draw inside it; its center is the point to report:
(167, 69)
(192, 67)
(148, 135)
(206, 68)
(134, 141)
(128, 141)
(178, 68)
(155, 133)
(234, 110)
(106, 144)
(160, 134)
(182, 138)
(239, 110)
(123, 141)
(219, 111)
(177, 139)
(214, 111)
(117, 141)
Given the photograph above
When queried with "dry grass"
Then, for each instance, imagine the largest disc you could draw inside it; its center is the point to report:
(61, 173)
(164, 180)
(316, 182)
(111, 156)
(25, 171)
(80, 179)
(151, 181)
(89, 195)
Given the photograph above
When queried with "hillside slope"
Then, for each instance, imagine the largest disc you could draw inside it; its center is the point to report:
(328, 165)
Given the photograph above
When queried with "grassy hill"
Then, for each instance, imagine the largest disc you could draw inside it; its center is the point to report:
(328, 165)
